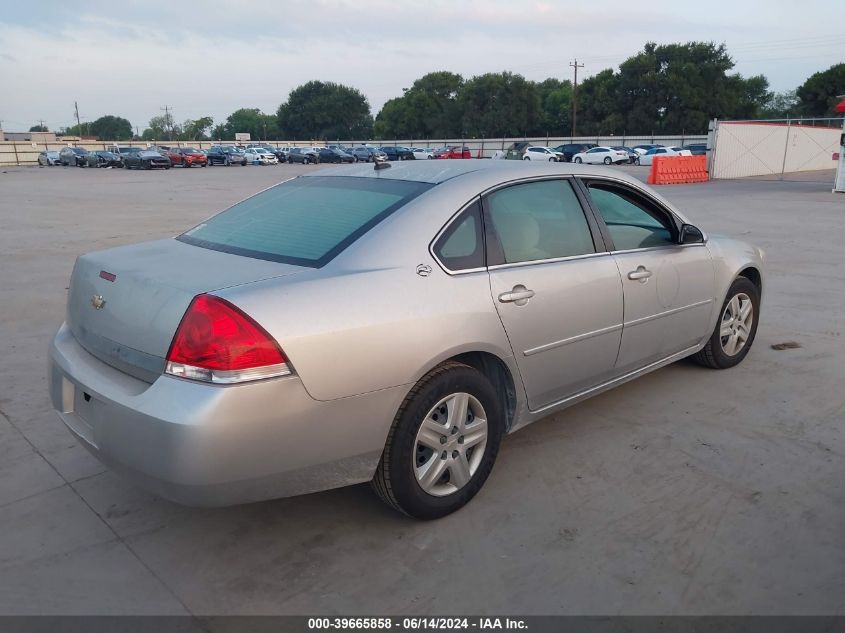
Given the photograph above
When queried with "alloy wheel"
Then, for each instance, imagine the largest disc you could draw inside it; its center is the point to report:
(737, 321)
(450, 444)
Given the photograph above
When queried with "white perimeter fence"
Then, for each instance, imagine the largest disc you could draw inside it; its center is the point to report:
(763, 148)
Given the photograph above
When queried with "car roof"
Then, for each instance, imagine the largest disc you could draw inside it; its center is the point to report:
(439, 171)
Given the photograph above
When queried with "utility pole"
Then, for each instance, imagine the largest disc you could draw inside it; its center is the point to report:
(575, 65)
(41, 124)
(78, 124)
(168, 119)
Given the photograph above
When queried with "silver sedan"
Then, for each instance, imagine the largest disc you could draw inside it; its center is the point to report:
(386, 324)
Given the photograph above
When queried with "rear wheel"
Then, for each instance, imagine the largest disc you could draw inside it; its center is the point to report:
(736, 328)
(442, 445)
(607, 160)
(637, 161)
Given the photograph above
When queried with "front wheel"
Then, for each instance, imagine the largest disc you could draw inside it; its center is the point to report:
(578, 160)
(736, 328)
(442, 445)
(525, 158)
(552, 160)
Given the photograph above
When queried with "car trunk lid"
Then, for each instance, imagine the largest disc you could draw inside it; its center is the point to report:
(124, 304)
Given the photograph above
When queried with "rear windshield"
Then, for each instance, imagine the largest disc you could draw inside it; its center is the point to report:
(305, 221)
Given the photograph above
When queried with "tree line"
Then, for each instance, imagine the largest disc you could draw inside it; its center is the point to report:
(672, 88)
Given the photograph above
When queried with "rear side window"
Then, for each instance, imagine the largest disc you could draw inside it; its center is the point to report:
(305, 221)
(461, 246)
(538, 220)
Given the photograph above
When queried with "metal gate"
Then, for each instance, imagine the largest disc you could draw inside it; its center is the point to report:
(776, 148)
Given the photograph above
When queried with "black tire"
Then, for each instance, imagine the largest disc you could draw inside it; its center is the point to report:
(607, 160)
(395, 482)
(713, 355)
(305, 161)
(578, 159)
(637, 161)
(148, 166)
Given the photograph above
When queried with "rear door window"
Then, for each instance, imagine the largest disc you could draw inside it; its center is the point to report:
(306, 221)
(536, 221)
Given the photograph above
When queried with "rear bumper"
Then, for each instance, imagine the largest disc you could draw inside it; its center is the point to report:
(211, 445)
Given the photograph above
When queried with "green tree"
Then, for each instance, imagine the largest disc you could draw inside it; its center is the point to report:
(325, 110)
(196, 129)
(394, 120)
(219, 132)
(668, 89)
(598, 105)
(500, 104)
(252, 121)
(781, 105)
(817, 95)
(428, 109)
(556, 102)
(111, 128)
(39, 128)
(162, 128)
(752, 95)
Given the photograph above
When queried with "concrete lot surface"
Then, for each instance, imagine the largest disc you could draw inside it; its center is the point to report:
(689, 491)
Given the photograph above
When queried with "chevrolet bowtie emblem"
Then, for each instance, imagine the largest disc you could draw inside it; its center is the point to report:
(98, 302)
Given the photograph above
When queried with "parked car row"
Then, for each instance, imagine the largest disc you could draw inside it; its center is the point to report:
(165, 157)
(593, 154)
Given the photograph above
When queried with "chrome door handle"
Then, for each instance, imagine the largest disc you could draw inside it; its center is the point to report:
(641, 274)
(519, 295)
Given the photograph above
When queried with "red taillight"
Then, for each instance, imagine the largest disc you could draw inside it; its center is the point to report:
(217, 342)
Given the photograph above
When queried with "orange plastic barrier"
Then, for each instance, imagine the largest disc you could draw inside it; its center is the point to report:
(678, 170)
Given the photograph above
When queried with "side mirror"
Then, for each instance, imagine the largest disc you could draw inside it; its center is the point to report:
(690, 235)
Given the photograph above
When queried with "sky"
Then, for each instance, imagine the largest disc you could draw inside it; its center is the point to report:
(209, 58)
